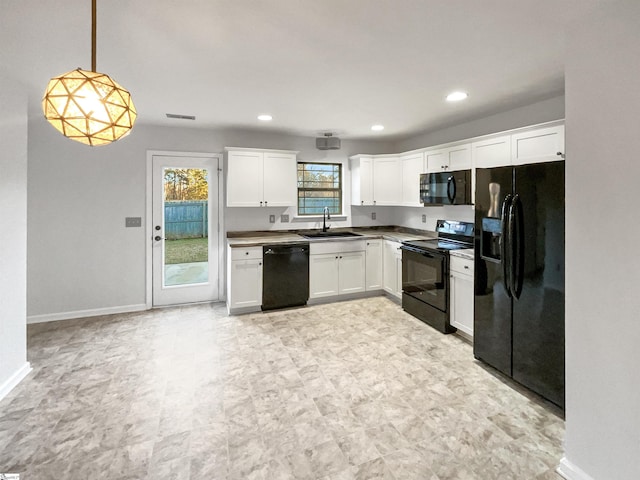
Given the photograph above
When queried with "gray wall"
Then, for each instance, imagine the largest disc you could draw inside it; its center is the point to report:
(602, 267)
(13, 234)
(82, 260)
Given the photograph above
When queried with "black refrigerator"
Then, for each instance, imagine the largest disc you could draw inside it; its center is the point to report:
(519, 274)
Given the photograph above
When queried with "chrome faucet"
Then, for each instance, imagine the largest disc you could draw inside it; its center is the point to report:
(325, 217)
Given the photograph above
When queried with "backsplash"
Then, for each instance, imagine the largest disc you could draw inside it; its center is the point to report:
(246, 219)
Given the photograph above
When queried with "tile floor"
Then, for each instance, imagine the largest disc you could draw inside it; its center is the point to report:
(351, 390)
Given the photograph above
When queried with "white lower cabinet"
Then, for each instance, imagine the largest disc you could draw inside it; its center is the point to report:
(324, 278)
(392, 268)
(244, 289)
(336, 268)
(374, 265)
(461, 294)
(351, 273)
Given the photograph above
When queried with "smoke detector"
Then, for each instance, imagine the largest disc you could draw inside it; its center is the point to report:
(328, 142)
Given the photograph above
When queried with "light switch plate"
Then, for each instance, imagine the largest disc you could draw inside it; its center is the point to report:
(133, 221)
(284, 218)
(373, 215)
(272, 219)
(424, 219)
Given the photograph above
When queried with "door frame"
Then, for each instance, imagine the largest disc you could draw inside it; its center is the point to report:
(149, 220)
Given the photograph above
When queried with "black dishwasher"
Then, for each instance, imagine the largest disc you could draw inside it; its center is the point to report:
(285, 275)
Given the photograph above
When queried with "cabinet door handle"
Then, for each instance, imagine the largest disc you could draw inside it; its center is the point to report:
(260, 203)
(361, 202)
(260, 264)
(265, 203)
(467, 267)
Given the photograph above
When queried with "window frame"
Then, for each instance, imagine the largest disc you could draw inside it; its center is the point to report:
(340, 188)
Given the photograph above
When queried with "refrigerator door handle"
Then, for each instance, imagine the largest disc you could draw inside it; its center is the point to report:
(451, 192)
(505, 243)
(518, 247)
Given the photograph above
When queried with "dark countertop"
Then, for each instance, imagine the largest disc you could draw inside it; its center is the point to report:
(260, 238)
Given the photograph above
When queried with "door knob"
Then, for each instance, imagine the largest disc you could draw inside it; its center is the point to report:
(157, 238)
(158, 227)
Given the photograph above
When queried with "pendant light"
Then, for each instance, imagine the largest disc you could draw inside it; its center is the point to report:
(87, 106)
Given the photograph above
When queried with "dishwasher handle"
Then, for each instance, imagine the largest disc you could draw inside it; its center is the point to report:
(286, 250)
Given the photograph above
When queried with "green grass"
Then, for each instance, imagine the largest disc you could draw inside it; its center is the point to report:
(187, 250)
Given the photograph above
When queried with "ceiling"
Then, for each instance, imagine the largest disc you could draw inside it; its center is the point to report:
(315, 65)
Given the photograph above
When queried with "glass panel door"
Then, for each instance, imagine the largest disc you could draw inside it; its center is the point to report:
(185, 207)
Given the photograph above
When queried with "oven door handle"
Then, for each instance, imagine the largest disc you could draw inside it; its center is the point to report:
(451, 192)
(419, 251)
(505, 243)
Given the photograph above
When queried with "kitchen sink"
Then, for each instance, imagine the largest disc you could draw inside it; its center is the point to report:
(330, 234)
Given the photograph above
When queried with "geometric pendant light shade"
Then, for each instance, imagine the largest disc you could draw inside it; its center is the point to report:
(87, 106)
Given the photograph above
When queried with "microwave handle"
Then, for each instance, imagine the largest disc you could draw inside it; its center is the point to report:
(451, 192)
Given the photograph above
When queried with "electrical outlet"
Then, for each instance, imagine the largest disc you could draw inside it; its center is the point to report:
(424, 219)
(284, 218)
(272, 219)
(373, 215)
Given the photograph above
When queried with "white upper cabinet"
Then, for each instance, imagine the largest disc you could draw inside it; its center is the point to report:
(492, 152)
(261, 178)
(412, 166)
(539, 145)
(449, 158)
(387, 181)
(376, 180)
(459, 157)
(435, 161)
(280, 179)
(395, 179)
(361, 180)
(244, 169)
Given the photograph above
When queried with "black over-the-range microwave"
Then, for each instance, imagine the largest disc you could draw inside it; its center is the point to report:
(446, 188)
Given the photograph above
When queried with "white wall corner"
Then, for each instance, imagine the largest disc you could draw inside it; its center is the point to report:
(568, 470)
(14, 379)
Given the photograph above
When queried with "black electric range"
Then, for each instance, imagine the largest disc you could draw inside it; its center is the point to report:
(425, 273)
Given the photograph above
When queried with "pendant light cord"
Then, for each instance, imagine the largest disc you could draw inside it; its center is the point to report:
(93, 35)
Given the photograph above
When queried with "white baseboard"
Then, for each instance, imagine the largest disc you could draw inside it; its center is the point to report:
(14, 379)
(53, 317)
(568, 470)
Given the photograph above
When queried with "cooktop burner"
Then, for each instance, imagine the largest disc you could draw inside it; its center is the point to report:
(452, 235)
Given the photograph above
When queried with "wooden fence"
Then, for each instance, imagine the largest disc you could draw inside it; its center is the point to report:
(186, 219)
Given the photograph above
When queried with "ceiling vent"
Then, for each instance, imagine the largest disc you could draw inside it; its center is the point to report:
(328, 142)
(181, 117)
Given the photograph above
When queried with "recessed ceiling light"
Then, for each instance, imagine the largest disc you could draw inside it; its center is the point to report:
(265, 118)
(377, 128)
(456, 96)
